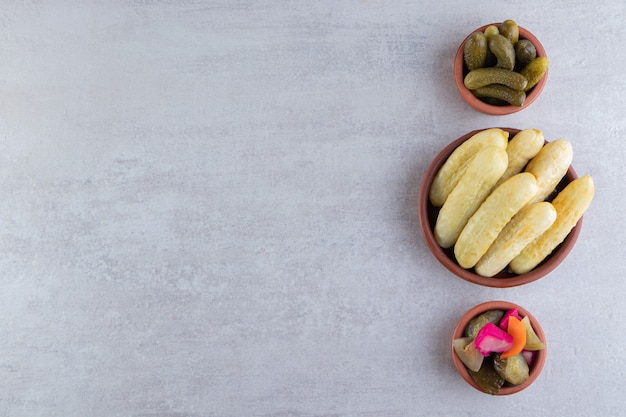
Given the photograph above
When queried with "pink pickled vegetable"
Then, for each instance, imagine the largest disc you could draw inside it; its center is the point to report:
(529, 356)
(491, 338)
(504, 322)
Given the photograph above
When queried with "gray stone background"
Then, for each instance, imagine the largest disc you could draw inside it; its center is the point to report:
(208, 208)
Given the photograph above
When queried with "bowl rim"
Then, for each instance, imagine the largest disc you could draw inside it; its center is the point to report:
(445, 256)
(481, 106)
(539, 360)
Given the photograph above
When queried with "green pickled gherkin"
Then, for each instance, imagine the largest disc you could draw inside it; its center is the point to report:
(534, 71)
(478, 322)
(491, 59)
(525, 52)
(494, 101)
(491, 30)
(503, 49)
(487, 378)
(481, 77)
(510, 30)
(475, 50)
(501, 92)
(514, 370)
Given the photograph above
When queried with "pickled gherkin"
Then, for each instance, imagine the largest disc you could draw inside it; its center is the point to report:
(510, 30)
(534, 71)
(525, 52)
(514, 370)
(491, 30)
(493, 101)
(475, 51)
(481, 77)
(487, 378)
(501, 92)
(477, 323)
(503, 49)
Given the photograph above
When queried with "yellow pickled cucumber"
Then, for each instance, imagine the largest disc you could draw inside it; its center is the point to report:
(535, 71)
(485, 76)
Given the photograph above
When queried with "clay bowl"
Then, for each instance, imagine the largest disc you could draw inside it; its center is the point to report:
(538, 361)
(460, 70)
(504, 279)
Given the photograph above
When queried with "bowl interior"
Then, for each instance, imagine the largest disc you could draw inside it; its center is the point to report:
(428, 217)
(538, 362)
(460, 70)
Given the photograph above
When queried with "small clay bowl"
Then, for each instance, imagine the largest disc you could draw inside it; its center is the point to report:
(537, 363)
(504, 279)
(460, 70)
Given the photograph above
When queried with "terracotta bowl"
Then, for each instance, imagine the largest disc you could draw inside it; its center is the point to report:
(504, 279)
(460, 70)
(538, 361)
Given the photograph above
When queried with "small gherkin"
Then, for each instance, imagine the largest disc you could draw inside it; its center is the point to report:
(475, 51)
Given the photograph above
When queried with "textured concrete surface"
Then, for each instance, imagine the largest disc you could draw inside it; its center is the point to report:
(208, 208)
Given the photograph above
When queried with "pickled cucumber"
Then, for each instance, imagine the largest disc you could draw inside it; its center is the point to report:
(491, 30)
(503, 49)
(485, 76)
(475, 51)
(514, 370)
(478, 322)
(494, 101)
(502, 92)
(534, 71)
(491, 59)
(487, 378)
(510, 30)
(524, 52)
